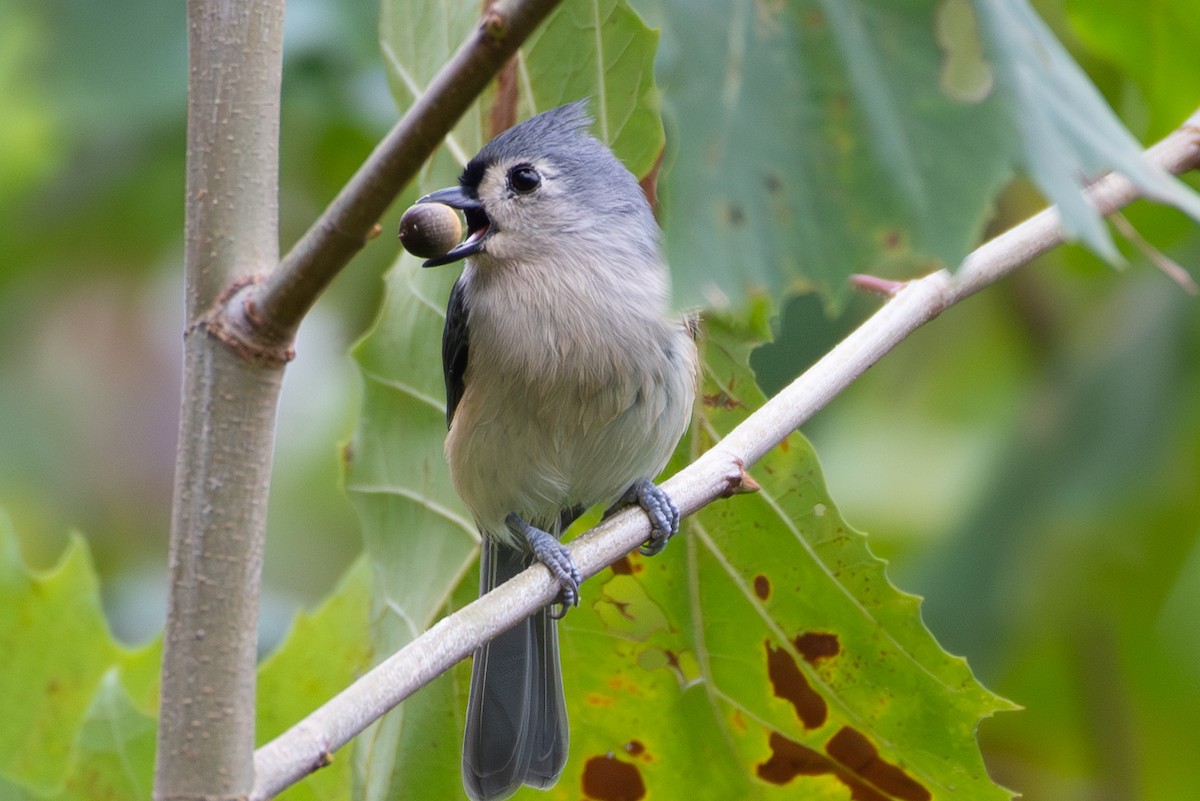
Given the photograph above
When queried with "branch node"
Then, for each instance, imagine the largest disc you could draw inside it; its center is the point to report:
(748, 484)
(736, 480)
(494, 26)
(236, 321)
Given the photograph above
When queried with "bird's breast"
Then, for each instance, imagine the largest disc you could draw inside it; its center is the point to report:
(572, 392)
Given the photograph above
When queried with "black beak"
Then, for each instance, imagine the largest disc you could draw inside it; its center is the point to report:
(478, 223)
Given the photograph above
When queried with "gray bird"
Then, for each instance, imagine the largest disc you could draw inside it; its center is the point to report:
(567, 385)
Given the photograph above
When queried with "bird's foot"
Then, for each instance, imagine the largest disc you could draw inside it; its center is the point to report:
(554, 555)
(658, 506)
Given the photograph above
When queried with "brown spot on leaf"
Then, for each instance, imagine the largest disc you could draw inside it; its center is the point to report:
(720, 400)
(789, 759)
(789, 683)
(733, 214)
(673, 662)
(856, 753)
(635, 748)
(817, 645)
(623, 566)
(892, 239)
(622, 608)
(606, 778)
(762, 587)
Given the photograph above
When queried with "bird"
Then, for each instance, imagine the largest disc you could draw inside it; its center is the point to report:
(569, 384)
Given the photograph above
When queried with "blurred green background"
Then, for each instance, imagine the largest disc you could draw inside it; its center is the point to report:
(92, 138)
(1030, 462)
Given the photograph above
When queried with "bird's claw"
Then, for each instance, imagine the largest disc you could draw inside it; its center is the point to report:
(554, 555)
(663, 514)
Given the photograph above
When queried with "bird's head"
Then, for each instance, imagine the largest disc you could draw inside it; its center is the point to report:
(543, 188)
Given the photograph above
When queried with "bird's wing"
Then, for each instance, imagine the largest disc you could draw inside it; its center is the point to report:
(454, 348)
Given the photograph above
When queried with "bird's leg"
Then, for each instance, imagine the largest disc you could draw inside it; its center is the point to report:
(554, 555)
(658, 506)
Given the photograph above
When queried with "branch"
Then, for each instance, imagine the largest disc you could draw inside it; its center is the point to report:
(310, 743)
(269, 313)
(227, 419)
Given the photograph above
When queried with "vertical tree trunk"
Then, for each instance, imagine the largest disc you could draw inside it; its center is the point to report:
(206, 729)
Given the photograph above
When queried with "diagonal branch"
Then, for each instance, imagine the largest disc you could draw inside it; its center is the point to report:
(309, 744)
(273, 309)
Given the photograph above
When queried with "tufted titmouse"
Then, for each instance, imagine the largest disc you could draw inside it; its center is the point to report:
(567, 385)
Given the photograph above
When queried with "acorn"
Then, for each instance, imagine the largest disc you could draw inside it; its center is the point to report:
(428, 230)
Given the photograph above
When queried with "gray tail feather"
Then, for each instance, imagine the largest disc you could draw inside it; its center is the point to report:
(516, 728)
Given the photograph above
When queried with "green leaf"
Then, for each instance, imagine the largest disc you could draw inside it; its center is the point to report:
(57, 650)
(78, 710)
(767, 644)
(417, 39)
(814, 139)
(600, 50)
(115, 748)
(113, 759)
(595, 49)
(324, 652)
(418, 539)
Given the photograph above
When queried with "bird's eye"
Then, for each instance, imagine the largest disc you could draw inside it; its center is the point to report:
(524, 179)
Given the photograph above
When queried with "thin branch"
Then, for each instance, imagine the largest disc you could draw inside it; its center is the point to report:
(309, 745)
(1155, 256)
(273, 309)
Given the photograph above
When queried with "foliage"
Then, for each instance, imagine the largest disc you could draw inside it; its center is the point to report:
(421, 540)
(79, 708)
(1028, 463)
(71, 727)
(816, 139)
